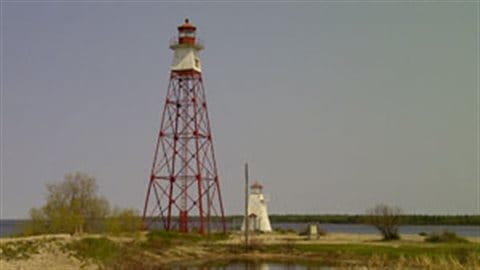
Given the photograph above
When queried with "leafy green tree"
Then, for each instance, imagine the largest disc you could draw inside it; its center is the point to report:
(73, 206)
(123, 221)
(386, 219)
(37, 223)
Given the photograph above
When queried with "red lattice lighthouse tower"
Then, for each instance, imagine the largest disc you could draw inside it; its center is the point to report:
(184, 189)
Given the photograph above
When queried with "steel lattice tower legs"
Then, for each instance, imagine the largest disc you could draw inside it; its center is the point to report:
(184, 179)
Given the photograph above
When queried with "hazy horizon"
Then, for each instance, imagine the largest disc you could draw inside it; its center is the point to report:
(336, 106)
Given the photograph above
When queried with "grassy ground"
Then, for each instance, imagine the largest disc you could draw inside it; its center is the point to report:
(156, 249)
(350, 250)
(382, 255)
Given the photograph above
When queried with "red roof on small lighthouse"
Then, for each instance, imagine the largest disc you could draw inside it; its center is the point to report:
(256, 185)
(187, 26)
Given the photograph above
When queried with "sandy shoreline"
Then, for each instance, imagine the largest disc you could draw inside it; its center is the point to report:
(49, 255)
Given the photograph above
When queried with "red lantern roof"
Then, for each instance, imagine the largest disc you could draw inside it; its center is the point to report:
(256, 185)
(187, 26)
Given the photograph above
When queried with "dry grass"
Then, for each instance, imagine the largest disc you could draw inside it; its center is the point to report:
(39, 253)
(420, 262)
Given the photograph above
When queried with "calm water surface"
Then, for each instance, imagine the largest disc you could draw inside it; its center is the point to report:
(462, 230)
(244, 265)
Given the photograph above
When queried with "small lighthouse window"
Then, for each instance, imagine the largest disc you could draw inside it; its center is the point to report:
(187, 34)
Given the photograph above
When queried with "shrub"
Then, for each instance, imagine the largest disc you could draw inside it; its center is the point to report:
(100, 250)
(123, 221)
(445, 237)
(386, 219)
(72, 206)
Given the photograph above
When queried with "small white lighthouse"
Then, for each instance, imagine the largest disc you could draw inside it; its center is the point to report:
(258, 219)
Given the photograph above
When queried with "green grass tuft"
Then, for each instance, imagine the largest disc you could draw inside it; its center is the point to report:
(161, 240)
(361, 251)
(100, 250)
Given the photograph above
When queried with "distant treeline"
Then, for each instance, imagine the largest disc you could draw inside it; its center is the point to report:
(359, 219)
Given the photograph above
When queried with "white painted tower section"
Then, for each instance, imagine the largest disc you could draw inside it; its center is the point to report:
(185, 57)
(257, 210)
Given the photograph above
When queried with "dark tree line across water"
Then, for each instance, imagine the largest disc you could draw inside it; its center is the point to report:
(360, 219)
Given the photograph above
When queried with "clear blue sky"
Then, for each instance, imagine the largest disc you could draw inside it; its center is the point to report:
(337, 106)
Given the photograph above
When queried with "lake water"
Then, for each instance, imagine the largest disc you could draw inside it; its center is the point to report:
(8, 227)
(462, 230)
